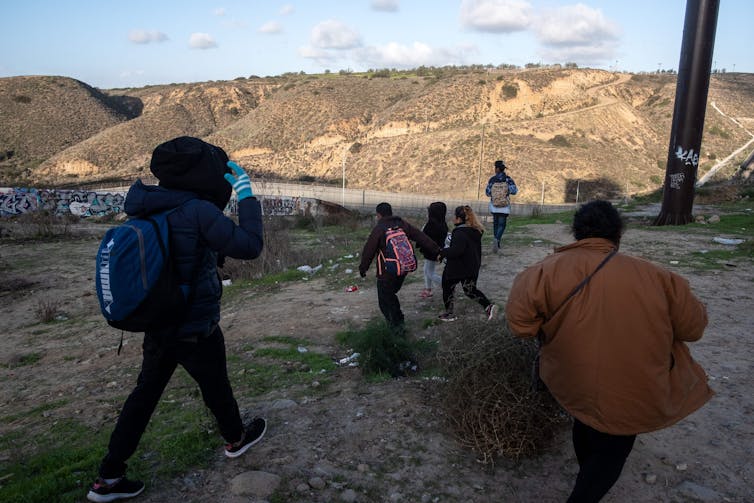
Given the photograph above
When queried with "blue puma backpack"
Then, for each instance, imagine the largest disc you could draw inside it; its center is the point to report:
(137, 285)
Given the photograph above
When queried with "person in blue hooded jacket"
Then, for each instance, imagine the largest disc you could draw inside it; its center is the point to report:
(500, 205)
(196, 178)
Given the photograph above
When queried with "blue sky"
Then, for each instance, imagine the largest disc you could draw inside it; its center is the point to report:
(111, 44)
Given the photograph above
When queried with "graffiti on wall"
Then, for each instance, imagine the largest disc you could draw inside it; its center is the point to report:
(281, 206)
(84, 203)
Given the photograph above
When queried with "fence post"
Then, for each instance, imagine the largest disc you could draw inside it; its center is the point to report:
(543, 194)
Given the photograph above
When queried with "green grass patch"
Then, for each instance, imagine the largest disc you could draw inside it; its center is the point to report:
(274, 368)
(526, 240)
(34, 412)
(735, 225)
(61, 462)
(24, 360)
(716, 259)
(315, 361)
(256, 379)
(60, 472)
(266, 283)
(381, 350)
(740, 225)
(516, 222)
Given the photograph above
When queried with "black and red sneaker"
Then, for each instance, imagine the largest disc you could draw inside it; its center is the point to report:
(252, 434)
(121, 489)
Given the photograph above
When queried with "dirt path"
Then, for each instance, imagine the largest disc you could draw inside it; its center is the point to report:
(386, 441)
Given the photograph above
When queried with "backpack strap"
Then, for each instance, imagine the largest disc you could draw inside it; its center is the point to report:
(536, 382)
(585, 280)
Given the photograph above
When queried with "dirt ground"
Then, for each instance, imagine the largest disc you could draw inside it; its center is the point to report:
(384, 441)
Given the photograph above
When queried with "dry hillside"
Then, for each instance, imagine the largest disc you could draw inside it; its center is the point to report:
(605, 132)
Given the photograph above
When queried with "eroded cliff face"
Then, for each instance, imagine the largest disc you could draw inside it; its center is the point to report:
(557, 129)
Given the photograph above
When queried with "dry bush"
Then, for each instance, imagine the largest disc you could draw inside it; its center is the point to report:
(279, 253)
(47, 309)
(43, 224)
(488, 398)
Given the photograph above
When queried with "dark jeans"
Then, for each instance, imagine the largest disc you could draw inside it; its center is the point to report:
(469, 288)
(499, 220)
(387, 297)
(204, 360)
(601, 457)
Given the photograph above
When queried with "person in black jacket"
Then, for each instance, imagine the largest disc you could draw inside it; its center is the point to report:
(437, 229)
(464, 258)
(388, 284)
(196, 178)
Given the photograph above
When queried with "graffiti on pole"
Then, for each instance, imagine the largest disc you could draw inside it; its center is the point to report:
(676, 180)
(688, 157)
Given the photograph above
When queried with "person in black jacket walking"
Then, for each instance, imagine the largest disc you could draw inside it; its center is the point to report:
(196, 179)
(388, 284)
(437, 229)
(464, 258)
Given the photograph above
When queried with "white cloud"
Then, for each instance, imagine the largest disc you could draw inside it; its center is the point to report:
(333, 34)
(220, 11)
(395, 55)
(321, 56)
(583, 54)
(202, 41)
(271, 27)
(575, 25)
(385, 5)
(286, 10)
(496, 16)
(146, 36)
(577, 33)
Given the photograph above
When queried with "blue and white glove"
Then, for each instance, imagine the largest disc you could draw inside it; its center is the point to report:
(240, 182)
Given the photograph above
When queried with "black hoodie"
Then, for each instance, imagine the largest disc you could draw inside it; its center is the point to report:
(436, 226)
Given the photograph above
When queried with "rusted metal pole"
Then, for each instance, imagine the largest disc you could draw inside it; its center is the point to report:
(688, 114)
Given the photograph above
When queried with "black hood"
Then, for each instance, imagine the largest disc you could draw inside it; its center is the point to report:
(437, 211)
(187, 163)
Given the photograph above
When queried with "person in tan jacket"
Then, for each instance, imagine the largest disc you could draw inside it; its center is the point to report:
(613, 353)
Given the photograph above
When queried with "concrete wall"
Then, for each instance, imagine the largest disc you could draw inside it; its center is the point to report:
(278, 199)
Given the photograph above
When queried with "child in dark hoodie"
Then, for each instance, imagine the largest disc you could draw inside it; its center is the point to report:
(196, 180)
(464, 258)
(437, 229)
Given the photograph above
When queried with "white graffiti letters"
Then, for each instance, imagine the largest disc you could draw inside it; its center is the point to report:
(676, 180)
(689, 157)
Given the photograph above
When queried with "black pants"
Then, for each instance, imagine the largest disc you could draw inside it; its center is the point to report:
(601, 457)
(204, 360)
(387, 297)
(469, 288)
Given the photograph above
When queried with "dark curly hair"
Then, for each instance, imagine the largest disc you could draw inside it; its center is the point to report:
(598, 219)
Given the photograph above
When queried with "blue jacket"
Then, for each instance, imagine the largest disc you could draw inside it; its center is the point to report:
(512, 190)
(199, 231)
